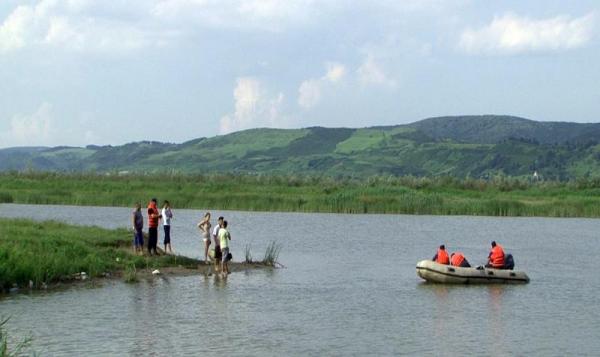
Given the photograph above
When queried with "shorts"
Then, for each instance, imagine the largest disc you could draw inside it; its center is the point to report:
(138, 238)
(167, 235)
(218, 254)
(206, 240)
(224, 254)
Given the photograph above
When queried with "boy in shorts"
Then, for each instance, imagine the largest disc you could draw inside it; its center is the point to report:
(224, 238)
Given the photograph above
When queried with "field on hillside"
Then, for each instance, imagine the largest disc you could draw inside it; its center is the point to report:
(406, 195)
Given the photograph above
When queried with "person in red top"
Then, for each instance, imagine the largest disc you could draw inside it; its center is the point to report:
(458, 260)
(441, 256)
(153, 217)
(496, 257)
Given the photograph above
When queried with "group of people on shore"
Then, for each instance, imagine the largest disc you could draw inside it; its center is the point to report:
(154, 216)
(496, 258)
(219, 234)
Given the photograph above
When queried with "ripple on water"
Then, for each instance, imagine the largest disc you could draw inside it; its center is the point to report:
(349, 288)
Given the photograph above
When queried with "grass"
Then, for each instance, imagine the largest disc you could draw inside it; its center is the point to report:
(272, 254)
(247, 254)
(130, 275)
(5, 349)
(41, 253)
(380, 194)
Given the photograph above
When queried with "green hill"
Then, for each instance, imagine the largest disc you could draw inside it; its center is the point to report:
(475, 146)
(495, 128)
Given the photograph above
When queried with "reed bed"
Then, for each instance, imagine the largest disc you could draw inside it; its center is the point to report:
(503, 196)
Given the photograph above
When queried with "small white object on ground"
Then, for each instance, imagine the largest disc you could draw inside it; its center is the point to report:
(155, 272)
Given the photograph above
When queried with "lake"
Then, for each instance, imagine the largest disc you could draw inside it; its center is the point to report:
(349, 287)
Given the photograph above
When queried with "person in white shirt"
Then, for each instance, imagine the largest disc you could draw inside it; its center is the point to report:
(215, 236)
(167, 216)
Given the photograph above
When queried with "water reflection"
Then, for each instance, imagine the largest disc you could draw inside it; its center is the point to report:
(455, 308)
(441, 319)
(496, 318)
(148, 307)
(220, 282)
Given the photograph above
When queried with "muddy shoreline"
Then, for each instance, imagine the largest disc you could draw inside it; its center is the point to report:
(79, 280)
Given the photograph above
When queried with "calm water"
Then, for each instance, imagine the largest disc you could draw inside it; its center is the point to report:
(349, 288)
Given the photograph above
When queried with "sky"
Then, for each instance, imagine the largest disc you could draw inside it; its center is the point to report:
(79, 72)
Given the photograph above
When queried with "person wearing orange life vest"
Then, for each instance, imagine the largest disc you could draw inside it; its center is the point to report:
(441, 257)
(496, 257)
(457, 259)
(153, 217)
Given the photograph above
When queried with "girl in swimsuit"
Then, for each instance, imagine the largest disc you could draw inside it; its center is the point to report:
(204, 226)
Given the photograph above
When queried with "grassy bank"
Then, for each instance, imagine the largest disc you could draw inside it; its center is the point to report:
(50, 252)
(409, 195)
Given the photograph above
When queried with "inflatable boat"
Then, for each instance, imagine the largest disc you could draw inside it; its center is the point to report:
(447, 274)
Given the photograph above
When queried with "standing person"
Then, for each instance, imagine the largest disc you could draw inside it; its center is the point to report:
(204, 226)
(441, 257)
(167, 215)
(153, 217)
(215, 235)
(224, 238)
(137, 222)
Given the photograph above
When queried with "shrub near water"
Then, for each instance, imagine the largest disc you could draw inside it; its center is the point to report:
(46, 252)
(6, 197)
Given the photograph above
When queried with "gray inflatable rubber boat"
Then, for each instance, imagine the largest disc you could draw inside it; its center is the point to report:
(447, 274)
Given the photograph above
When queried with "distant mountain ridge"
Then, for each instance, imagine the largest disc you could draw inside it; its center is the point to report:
(493, 129)
(475, 146)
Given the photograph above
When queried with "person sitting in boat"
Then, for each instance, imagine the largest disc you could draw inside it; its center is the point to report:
(496, 257)
(441, 257)
(457, 259)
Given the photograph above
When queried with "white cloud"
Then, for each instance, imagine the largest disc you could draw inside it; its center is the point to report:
(254, 107)
(35, 129)
(512, 34)
(309, 92)
(14, 30)
(335, 72)
(125, 26)
(77, 25)
(269, 15)
(43, 128)
(371, 73)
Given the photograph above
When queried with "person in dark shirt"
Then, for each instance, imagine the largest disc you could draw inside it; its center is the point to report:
(137, 222)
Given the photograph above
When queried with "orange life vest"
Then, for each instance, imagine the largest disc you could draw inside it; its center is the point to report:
(457, 259)
(497, 256)
(152, 215)
(442, 257)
